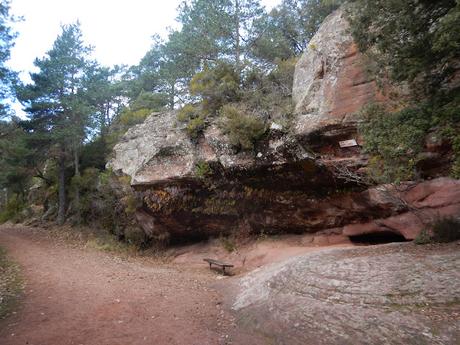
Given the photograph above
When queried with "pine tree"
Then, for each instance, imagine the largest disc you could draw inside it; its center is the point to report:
(220, 29)
(287, 29)
(7, 76)
(56, 103)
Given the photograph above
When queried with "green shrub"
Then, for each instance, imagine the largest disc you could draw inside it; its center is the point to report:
(442, 230)
(196, 126)
(412, 41)
(188, 112)
(446, 118)
(139, 109)
(149, 101)
(394, 140)
(108, 203)
(130, 118)
(423, 237)
(86, 184)
(282, 76)
(455, 173)
(216, 86)
(12, 210)
(269, 94)
(243, 130)
(135, 236)
(87, 180)
(228, 243)
(131, 203)
(454, 135)
(445, 230)
(194, 118)
(202, 169)
(109, 243)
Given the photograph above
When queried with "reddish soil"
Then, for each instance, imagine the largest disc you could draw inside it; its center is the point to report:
(75, 295)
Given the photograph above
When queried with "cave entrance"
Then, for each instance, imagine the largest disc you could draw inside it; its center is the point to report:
(377, 238)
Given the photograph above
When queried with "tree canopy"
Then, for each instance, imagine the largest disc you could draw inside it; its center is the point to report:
(7, 76)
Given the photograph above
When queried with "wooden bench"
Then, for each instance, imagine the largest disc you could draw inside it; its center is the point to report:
(218, 263)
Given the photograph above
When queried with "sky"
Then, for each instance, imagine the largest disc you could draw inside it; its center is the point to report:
(120, 30)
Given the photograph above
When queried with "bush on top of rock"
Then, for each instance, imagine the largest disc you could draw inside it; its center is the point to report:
(243, 130)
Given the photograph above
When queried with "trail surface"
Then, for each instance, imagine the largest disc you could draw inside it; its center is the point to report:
(78, 296)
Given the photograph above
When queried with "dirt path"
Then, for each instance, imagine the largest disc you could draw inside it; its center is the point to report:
(81, 296)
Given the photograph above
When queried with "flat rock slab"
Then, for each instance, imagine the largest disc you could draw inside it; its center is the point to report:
(390, 294)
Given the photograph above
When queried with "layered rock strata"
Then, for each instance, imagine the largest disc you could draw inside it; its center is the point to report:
(195, 189)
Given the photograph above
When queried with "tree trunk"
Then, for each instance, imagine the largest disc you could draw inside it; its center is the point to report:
(171, 96)
(61, 190)
(77, 187)
(6, 195)
(237, 36)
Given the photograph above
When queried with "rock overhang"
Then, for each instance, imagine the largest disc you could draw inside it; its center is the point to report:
(287, 184)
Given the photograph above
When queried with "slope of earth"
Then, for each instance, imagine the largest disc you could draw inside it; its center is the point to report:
(77, 296)
(389, 294)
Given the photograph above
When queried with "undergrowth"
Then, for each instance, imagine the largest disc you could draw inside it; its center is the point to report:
(442, 230)
(228, 243)
(12, 210)
(90, 237)
(396, 139)
(111, 245)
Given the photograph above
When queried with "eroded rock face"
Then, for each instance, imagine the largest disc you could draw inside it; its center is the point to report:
(424, 203)
(154, 151)
(330, 81)
(289, 183)
(160, 150)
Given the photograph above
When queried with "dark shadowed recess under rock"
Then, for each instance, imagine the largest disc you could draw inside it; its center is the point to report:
(290, 198)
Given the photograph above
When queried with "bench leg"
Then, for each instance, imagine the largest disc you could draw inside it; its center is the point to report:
(223, 270)
(209, 265)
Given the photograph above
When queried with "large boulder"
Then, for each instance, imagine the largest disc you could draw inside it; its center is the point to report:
(159, 150)
(330, 80)
(154, 151)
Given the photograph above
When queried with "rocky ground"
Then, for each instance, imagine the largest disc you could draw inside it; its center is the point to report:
(386, 294)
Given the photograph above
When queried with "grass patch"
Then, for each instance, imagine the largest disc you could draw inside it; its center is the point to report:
(95, 238)
(228, 244)
(112, 245)
(10, 285)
